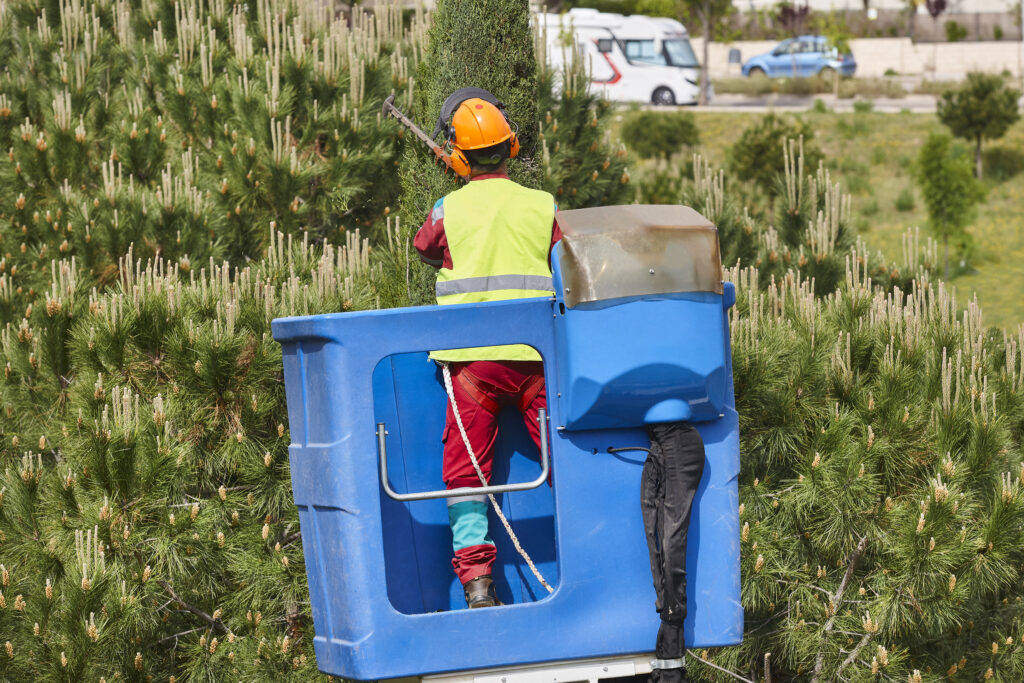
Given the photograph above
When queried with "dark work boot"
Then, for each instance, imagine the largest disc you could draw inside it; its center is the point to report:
(480, 592)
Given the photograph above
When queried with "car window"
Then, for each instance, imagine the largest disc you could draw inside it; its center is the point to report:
(808, 46)
(783, 48)
(680, 53)
(643, 51)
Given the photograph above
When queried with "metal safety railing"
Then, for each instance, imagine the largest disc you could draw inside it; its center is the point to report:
(464, 491)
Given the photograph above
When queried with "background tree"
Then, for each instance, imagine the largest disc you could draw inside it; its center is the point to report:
(982, 108)
(706, 14)
(659, 134)
(834, 27)
(949, 189)
(935, 8)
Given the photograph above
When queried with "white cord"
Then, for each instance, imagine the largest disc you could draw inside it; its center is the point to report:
(715, 666)
(483, 480)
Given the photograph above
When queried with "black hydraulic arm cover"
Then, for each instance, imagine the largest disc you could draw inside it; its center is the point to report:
(671, 474)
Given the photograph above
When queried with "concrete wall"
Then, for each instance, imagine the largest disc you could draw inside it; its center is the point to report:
(875, 55)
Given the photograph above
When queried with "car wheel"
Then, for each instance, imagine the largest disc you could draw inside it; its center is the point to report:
(756, 72)
(663, 96)
(827, 73)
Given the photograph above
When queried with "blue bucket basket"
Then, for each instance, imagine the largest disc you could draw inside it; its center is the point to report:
(637, 333)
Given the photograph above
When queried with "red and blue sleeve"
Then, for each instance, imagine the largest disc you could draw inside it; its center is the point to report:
(430, 240)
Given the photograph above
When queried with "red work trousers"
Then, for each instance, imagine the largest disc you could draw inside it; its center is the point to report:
(481, 389)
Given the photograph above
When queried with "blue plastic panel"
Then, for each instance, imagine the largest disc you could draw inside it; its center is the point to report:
(662, 358)
(367, 627)
(409, 398)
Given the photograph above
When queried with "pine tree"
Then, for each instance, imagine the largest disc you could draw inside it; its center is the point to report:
(759, 153)
(492, 45)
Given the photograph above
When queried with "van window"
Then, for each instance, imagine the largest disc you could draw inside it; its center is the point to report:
(643, 51)
(680, 53)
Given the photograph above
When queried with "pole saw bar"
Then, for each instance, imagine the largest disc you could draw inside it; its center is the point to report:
(390, 109)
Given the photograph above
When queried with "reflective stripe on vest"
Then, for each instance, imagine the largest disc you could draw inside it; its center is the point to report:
(493, 283)
(498, 234)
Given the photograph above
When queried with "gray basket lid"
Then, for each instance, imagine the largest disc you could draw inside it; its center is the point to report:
(634, 250)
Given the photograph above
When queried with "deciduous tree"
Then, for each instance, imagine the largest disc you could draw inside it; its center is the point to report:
(950, 191)
(982, 108)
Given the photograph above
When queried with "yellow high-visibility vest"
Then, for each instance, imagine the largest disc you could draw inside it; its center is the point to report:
(499, 233)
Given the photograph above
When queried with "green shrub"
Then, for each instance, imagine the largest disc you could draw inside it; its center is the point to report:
(879, 155)
(1003, 163)
(752, 85)
(870, 207)
(955, 31)
(930, 87)
(871, 88)
(858, 184)
(661, 185)
(803, 86)
(997, 32)
(863, 106)
(819, 106)
(659, 134)
(890, 72)
(905, 200)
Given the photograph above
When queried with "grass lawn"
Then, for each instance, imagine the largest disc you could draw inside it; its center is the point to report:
(871, 155)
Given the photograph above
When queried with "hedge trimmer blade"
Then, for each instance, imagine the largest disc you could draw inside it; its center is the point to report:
(390, 109)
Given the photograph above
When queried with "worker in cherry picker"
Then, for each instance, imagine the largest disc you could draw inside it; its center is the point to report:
(490, 240)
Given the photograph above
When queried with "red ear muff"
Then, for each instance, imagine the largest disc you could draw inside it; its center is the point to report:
(460, 164)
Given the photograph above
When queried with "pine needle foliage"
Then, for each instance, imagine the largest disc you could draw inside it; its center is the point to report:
(882, 508)
(147, 522)
(187, 129)
(882, 504)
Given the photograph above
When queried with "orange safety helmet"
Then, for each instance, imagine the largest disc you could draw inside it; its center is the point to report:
(478, 124)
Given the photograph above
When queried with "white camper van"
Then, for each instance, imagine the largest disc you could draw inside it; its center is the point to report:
(630, 59)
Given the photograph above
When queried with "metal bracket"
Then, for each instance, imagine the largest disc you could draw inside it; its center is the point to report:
(667, 663)
(545, 468)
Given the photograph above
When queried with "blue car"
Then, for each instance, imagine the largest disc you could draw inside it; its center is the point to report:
(800, 57)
